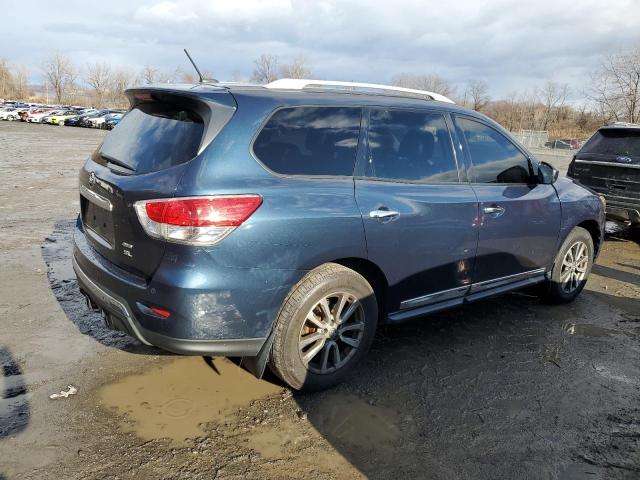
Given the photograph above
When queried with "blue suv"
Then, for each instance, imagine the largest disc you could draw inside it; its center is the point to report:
(283, 223)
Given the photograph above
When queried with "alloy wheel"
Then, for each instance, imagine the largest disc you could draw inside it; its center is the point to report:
(331, 333)
(574, 266)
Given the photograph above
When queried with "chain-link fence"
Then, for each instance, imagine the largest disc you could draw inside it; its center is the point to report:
(532, 138)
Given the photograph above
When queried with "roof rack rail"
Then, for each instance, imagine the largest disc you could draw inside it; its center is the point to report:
(354, 87)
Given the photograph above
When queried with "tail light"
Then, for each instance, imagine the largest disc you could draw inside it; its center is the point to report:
(196, 220)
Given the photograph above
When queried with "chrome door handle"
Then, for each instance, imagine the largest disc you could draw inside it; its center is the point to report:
(383, 214)
(495, 210)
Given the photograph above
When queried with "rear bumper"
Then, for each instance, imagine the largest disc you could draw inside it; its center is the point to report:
(623, 211)
(214, 311)
(119, 316)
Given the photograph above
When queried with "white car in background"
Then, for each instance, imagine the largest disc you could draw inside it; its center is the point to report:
(98, 122)
(10, 114)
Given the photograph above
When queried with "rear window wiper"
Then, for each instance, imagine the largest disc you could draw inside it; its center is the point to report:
(118, 163)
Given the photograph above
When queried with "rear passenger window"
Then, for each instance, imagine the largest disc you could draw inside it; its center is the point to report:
(494, 158)
(310, 141)
(410, 146)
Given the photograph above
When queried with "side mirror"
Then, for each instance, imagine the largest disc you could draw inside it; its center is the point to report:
(547, 174)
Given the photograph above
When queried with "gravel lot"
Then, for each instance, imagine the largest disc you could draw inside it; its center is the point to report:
(505, 388)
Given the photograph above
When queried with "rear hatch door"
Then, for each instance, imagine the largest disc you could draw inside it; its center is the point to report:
(609, 163)
(143, 158)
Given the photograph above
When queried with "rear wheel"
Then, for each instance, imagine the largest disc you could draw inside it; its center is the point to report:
(324, 329)
(571, 267)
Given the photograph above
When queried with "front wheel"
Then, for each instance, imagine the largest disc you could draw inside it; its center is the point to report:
(571, 268)
(324, 329)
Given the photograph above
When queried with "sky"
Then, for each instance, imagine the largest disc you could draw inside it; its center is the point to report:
(511, 45)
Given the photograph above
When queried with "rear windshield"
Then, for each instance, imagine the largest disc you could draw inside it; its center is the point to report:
(619, 142)
(152, 137)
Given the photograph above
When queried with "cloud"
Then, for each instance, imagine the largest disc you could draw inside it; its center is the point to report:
(510, 44)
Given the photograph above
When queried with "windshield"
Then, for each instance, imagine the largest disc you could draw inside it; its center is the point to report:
(154, 136)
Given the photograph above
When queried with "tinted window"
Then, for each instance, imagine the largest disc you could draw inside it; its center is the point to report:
(619, 142)
(495, 159)
(409, 145)
(310, 141)
(153, 136)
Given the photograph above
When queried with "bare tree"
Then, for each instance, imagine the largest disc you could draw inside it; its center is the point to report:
(120, 80)
(429, 82)
(265, 69)
(298, 68)
(99, 78)
(552, 95)
(6, 78)
(149, 74)
(60, 74)
(615, 86)
(476, 95)
(192, 77)
(20, 82)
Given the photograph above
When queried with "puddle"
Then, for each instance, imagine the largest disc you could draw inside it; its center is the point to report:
(14, 404)
(172, 401)
(614, 227)
(588, 330)
(510, 407)
(613, 375)
(274, 442)
(353, 422)
(61, 271)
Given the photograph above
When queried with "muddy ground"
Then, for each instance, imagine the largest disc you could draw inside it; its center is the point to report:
(505, 388)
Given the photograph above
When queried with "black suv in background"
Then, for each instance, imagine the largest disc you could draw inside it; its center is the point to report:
(609, 163)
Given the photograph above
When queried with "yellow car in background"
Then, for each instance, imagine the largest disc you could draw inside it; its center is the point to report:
(60, 118)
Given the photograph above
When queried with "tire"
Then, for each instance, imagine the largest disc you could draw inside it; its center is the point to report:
(11, 118)
(350, 336)
(564, 286)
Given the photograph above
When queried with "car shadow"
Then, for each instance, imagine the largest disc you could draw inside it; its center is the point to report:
(15, 410)
(57, 251)
(14, 405)
(492, 389)
(616, 274)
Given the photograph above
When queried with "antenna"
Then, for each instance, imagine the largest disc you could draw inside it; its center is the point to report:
(194, 65)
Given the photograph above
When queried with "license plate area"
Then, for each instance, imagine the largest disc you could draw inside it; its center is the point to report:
(98, 222)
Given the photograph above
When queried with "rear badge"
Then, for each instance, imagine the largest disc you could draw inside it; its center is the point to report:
(127, 249)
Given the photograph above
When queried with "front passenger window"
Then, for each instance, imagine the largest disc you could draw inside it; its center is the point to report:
(494, 158)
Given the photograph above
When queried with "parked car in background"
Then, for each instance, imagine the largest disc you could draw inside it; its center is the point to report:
(83, 120)
(283, 223)
(111, 120)
(52, 113)
(98, 121)
(60, 118)
(564, 144)
(609, 163)
(36, 117)
(10, 114)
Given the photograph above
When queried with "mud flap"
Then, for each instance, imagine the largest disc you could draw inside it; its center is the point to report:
(257, 365)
